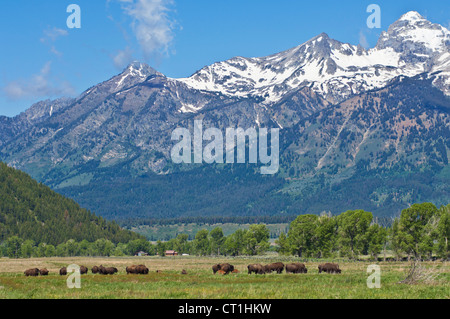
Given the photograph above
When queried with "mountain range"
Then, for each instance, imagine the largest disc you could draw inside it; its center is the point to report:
(360, 128)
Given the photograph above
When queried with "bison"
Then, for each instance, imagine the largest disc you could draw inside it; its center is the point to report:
(107, 270)
(227, 268)
(278, 267)
(63, 271)
(34, 272)
(131, 269)
(140, 269)
(43, 272)
(329, 268)
(184, 272)
(216, 268)
(256, 268)
(95, 270)
(83, 270)
(296, 268)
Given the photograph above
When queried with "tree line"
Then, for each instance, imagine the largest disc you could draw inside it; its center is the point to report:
(421, 231)
(253, 241)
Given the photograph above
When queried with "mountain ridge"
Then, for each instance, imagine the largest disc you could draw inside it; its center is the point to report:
(340, 108)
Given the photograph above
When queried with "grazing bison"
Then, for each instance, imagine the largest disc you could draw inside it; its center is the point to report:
(329, 268)
(34, 272)
(131, 270)
(296, 268)
(107, 270)
(83, 270)
(184, 272)
(278, 267)
(63, 271)
(256, 268)
(95, 270)
(216, 268)
(140, 269)
(227, 268)
(43, 272)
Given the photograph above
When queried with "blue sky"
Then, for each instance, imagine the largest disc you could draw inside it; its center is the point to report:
(42, 58)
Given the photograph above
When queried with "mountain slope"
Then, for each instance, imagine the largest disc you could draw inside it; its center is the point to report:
(379, 151)
(32, 211)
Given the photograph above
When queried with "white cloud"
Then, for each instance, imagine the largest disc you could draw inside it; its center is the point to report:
(38, 86)
(152, 25)
(52, 34)
(122, 58)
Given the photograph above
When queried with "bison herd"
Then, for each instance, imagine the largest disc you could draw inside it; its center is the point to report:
(34, 272)
(294, 268)
(223, 269)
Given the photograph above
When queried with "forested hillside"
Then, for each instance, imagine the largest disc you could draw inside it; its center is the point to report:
(32, 211)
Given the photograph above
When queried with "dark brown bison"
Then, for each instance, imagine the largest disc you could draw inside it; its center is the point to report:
(43, 272)
(95, 270)
(216, 268)
(107, 270)
(83, 270)
(142, 269)
(184, 272)
(296, 268)
(329, 268)
(227, 268)
(131, 270)
(34, 272)
(63, 271)
(256, 268)
(278, 267)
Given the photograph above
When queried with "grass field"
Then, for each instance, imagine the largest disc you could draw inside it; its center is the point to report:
(200, 283)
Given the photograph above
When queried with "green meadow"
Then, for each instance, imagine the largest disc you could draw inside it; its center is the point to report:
(201, 283)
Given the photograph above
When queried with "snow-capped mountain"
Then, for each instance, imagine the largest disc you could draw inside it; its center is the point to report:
(335, 70)
(347, 114)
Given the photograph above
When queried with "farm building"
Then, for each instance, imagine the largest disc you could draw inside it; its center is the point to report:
(140, 254)
(171, 253)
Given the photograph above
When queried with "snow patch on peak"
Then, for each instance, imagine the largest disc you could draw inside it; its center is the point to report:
(333, 69)
(411, 16)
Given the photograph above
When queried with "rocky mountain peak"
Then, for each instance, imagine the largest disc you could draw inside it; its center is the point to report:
(140, 69)
(411, 16)
(414, 33)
